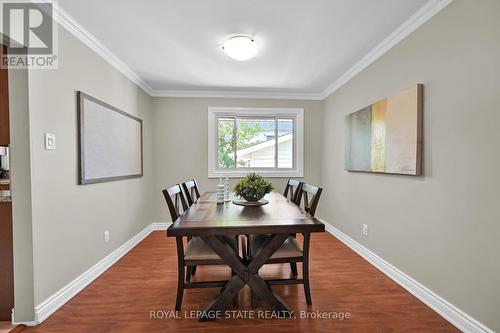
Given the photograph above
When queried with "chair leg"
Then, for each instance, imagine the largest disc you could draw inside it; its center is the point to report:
(235, 299)
(254, 298)
(305, 278)
(293, 268)
(249, 250)
(244, 249)
(180, 287)
(188, 273)
(305, 266)
(293, 265)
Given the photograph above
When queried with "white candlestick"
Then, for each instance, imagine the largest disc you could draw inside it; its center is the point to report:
(226, 189)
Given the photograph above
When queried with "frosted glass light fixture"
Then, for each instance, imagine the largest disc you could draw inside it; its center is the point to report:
(240, 47)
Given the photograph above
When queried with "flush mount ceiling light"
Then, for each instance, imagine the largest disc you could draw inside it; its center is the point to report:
(240, 47)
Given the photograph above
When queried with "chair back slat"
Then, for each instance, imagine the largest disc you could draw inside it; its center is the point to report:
(191, 191)
(311, 204)
(173, 196)
(292, 189)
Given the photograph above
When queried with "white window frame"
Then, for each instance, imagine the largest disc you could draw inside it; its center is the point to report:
(298, 141)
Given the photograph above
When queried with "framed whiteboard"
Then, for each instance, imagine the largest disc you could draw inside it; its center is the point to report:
(109, 142)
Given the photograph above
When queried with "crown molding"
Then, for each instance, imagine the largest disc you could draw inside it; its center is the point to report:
(426, 12)
(77, 30)
(235, 94)
(431, 8)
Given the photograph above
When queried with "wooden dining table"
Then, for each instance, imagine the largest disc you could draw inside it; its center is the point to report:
(280, 218)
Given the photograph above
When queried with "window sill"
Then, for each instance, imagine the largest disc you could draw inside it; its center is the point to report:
(264, 173)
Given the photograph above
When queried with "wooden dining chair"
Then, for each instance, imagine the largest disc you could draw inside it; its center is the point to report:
(195, 252)
(292, 251)
(174, 197)
(292, 193)
(192, 195)
(292, 189)
(191, 190)
(309, 195)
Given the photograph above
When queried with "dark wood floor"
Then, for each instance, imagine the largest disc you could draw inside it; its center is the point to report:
(144, 280)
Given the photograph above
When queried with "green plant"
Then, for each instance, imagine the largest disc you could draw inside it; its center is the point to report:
(3, 173)
(253, 187)
(245, 134)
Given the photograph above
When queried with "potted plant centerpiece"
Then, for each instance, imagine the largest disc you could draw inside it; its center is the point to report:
(252, 189)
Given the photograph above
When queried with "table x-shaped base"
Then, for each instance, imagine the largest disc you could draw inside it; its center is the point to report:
(245, 274)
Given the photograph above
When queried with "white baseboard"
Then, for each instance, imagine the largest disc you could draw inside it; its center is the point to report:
(161, 225)
(54, 302)
(448, 311)
(27, 323)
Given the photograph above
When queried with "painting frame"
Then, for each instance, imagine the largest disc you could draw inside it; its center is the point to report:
(81, 97)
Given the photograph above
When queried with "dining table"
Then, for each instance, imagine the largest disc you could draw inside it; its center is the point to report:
(209, 220)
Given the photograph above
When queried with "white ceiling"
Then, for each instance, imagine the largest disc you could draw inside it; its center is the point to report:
(304, 46)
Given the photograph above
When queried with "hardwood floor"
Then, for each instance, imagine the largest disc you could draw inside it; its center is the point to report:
(5, 326)
(145, 280)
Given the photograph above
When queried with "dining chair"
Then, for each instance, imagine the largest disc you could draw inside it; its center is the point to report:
(191, 190)
(173, 204)
(291, 192)
(292, 189)
(195, 252)
(292, 251)
(309, 195)
(192, 195)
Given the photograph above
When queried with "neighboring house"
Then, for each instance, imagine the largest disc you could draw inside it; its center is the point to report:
(262, 154)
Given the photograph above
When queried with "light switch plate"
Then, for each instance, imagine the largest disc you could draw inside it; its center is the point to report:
(50, 141)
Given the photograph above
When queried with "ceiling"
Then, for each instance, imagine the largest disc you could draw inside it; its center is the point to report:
(304, 46)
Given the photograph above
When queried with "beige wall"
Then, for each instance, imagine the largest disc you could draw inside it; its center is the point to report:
(442, 228)
(21, 194)
(180, 142)
(69, 219)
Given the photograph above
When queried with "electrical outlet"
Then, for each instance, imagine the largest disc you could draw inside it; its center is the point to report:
(365, 230)
(106, 236)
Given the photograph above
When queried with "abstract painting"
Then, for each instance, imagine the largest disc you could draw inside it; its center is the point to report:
(387, 135)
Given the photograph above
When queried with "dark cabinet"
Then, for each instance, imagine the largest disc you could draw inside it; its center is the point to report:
(6, 243)
(6, 262)
(4, 103)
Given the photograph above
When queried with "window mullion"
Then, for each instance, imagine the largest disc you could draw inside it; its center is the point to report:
(276, 119)
(294, 142)
(234, 141)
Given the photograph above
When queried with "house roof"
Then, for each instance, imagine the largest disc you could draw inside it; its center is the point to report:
(262, 145)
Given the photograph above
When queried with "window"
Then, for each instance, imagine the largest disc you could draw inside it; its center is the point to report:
(268, 141)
